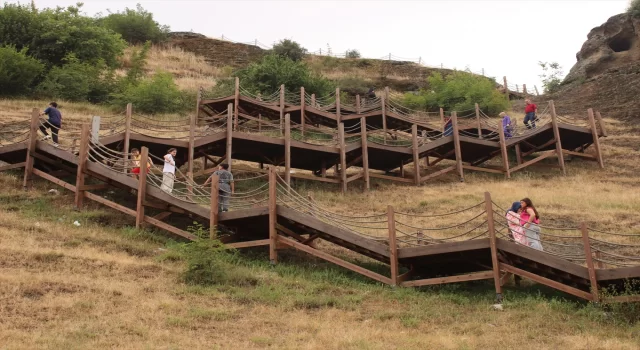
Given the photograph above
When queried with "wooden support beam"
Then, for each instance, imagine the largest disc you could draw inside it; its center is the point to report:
(456, 144)
(589, 261)
(596, 139)
(365, 152)
(546, 281)
(358, 104)
(313, 101)
(478, 121)
(290, 233)
(239, 245)
(54, 180)
(495, 263)
(450, 279)
(82, 162)
(273, 218)
(110, 204)
(95, 187)
(287, 149)
(190, 152)
(505, 154)
(142, 187)
(170, 228)
(383, 101)
(302, 112)
(236, 104)
(31, 149)
(214, 214)
(580, 154)
(343, 158)
(486, 170)
(556, 135)
(12, 166)
(442, 119)
(518, 154)
(281, 106)
(127, 136)
(537, 148)
(603, 130)
(438, 173)
(532, 161)
(393, 245)
(229, 135)
(162, 215)
(259, 122)
(416, 154)
(338, 114)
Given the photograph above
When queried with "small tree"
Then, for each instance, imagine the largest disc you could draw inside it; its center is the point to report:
(290, 49)
(352, 54)
(159, 94)
(18, 71)
(551, 76)
(136, 26)
(634, 8)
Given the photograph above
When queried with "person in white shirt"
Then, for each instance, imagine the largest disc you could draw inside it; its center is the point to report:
(169, 170)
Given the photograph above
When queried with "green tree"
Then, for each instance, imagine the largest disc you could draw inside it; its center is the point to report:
(266, 76)
(18, 72)
(160, 94)
(352, 54)
(290, 49)
(634, 8)
(136, 26)
(551, 76)
(458, 91)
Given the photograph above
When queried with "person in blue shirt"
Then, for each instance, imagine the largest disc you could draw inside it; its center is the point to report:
(54, 122)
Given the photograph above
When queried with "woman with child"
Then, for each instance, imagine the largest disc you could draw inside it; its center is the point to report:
(523, 220)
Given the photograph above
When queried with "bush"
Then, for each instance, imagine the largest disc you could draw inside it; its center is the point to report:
(77, 81)
(290, 49)
(551, 73)
(18, 71)
(136, 26)
(266, 76)
(634, 8)
(352, 54)
(160, 94)
(354, 85)
(458, 91)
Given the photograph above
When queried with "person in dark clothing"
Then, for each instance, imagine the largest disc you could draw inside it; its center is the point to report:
(448, 127)
(226, 186)
(371, 93)
(54, 122)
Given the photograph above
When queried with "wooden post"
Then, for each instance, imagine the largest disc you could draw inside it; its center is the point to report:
(456, 144)
(524, 89)
(599, 264)
(383, 101)
(142, 187)
(603, 130)
(31, 149)
(494, 249)
(236, 103)
(536, 88)
(127, 135)
(357, 104)
(556, 135)
(229, 134)
(506, 88)
(505, 154)
(273, 220)
(313, 101)
(213, 218)
(95, 129)
(416, 156)
(518, 154)
(259, 122)
(281, 106)
(302, 114)
(338, 115)
(82, 163)
(190, 152)
(323, 167)
(393, 245)
(596, 139)
(442, 118)
(478, 121)
(343, 158)
(287, 149)
(517, 88)
(589, 260)
(365, 153)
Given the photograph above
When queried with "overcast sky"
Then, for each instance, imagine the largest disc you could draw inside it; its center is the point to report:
(505, 37)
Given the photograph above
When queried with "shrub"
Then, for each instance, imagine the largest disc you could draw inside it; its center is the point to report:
(18, 71)
(354, 85)
(78, 81)
(551, 73)
(290, 49)
(136, 26)
(160, 94)
(266, 76)
(458, 91)
(634, 8)
(352, 54)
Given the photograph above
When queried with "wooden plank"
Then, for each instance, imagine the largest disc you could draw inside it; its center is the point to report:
(444, 248)
(338, 112)
(438, 173)
(94, 187)
(82, 161)
(316, 178)
(495, 263)
(618, 273)
(162, 215)
(343, 158)
(456, 143)
(622, 299)
(365, 151)
(169, 228)
(127, 134)
(392, 178)
(190, 151)
(580, 154)
(13, 166)
(302, 107)
(335, 260)
(486, 170)
(543, 258)
(383, 102)
(589, 260)
(236, 103)
(142, 187)
(603, 130)
(287, 149)
(229, 135)
(31, 149)
(518, 154)
(281, 106)
(213, 218)
(532, 161)
(416, 154)
(241, 214)
(273, 219)
(110, 204)
(450, 279)
(556, 135)
(56, 181)
(596, 139)
(165, 142)
(393, 245)
(257, 243)
(442, 119)
(548, 282)
(478, 121)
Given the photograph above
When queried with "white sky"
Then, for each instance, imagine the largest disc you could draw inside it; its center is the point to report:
(505, 37)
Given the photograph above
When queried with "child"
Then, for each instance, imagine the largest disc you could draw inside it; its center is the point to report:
(506, 125)
(169, 171)
(135, 153)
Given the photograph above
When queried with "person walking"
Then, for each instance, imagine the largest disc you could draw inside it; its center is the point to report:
(226, 186)
(530, 111)
(169, 171)
(529, 220)
(53, 123)
(506, 125)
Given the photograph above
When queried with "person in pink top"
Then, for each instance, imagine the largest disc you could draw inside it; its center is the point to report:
(530, 220)
(513, 221)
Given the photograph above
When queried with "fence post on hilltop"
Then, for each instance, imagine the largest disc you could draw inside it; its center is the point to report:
(556, 135)
(416, 154)
(127, 135)
(393, 245)
(488, 205)
(503, 150)
(281, 106)
(82, 163)
(596, 139)
(338, 114)
(229, 134)
(478, 121)
(536, 89)
(442, 118)
(365, 153)
(213, 218)
(603, 131)
(273, 219)
(517, 88)
(343, 158)
(31, 149)
(303, 104)
(142, 186)
(483, 72)
(383, 100)
(589, 261)
(287, 149)
(456, 144)
(236, 104)
(389, 57)
(524, 89)
(506, 88)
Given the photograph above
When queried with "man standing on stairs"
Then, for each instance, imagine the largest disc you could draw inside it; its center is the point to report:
(54, 123)
(169, 171)
(530, 111)
(226, 186)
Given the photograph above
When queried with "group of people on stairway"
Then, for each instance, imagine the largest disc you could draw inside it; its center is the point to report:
(523, 221)
(530, 116)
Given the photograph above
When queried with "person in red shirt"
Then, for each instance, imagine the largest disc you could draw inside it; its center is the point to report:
(530, 111)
